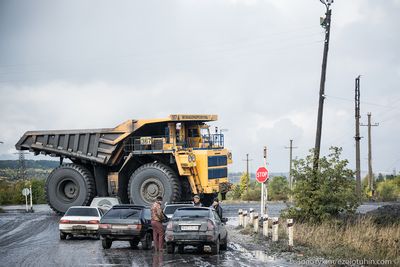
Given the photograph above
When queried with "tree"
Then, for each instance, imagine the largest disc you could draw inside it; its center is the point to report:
(278, 188)
(325, 193)
(244, 182)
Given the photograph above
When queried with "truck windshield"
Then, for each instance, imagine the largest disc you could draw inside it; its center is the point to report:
(92, 212)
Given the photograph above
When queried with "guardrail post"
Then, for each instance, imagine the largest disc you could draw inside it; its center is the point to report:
(251, 216)
(290, 232)
(255, 222)
(265, 225)
(240, 217)
(275, 225)
(244, 218)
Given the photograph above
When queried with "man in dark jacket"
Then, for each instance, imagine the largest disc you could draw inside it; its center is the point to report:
(217, 207)
(196, 201)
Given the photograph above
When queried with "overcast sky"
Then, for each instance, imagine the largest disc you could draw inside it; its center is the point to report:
(95, 64)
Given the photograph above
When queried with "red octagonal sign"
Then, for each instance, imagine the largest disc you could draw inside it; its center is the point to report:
(262, 175)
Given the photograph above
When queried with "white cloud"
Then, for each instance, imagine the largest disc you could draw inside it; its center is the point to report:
(254, 63)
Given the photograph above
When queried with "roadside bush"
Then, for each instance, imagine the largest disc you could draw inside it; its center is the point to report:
(235, 193)
(278, 188)
(254, 194)
(323, 194)
(388, 191)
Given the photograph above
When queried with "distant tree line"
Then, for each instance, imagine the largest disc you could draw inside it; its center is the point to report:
(33, 164)
(278, 189)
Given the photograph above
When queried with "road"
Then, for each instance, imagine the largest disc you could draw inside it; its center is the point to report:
(32, 239)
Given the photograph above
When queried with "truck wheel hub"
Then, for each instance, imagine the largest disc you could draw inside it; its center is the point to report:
(68, 189)
(151, 188)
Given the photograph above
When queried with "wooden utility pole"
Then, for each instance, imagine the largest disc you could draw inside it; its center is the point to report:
(326, 24)
(247, 173)
(357, 136)
(370, 173)
(290, 166)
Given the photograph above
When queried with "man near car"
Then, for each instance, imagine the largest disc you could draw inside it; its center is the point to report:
(217, 207)
(196, 201)
(157, 217)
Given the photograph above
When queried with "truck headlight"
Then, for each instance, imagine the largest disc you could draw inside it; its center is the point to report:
(191, 158)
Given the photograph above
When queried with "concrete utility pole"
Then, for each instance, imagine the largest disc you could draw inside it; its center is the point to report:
(247, 172)
(290, 166)
(357, 136)
(326, 24)
(370, 173)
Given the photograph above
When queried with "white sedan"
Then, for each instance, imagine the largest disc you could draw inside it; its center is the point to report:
(80, 220)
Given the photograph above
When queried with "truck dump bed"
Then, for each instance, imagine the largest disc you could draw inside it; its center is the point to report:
(101, 146)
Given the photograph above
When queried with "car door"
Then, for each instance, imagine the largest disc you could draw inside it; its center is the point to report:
(220, 225)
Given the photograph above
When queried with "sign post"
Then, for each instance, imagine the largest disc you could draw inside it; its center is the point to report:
(25, 192)
(265, 191)
(262, 177)
(30, 195)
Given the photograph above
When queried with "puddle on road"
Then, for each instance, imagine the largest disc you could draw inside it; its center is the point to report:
(255, 256)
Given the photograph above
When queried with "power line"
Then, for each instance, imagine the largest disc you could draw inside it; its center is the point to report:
(363, 102)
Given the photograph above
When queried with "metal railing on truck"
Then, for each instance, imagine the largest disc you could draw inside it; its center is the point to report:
(156, 143)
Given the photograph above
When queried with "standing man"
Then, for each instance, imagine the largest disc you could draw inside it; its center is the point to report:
(157, 217)
(217, 207)
(196, 201)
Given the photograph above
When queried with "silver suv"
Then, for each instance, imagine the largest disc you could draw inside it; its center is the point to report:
(197, 227)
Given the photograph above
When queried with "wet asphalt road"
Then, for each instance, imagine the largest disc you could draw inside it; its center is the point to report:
(32, 239)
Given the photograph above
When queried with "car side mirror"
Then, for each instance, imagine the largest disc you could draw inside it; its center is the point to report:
(224, 220)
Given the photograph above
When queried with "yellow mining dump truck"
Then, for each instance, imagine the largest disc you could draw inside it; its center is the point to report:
(138, 160)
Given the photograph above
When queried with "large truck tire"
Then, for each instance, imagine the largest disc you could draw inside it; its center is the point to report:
(69, 185)
(152, 180)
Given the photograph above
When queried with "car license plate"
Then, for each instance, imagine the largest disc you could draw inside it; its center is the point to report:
(78, 227)
(119, 227)
(189, 227)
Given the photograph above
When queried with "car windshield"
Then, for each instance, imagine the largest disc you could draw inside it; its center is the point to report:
(191, 213)
(123, 213)
(82, 212)
(171, 209)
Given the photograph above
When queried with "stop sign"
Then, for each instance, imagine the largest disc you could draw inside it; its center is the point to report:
(262, 174)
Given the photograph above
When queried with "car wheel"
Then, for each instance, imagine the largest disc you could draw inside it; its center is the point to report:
(134, 243)
(152, 180)
(63, 236)
(97, 236)
(224, 246)
(106, 243)
(70, 236)
(146, 242)
(181, 249)
(215, 247)
(69, 185)
(170, 248)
